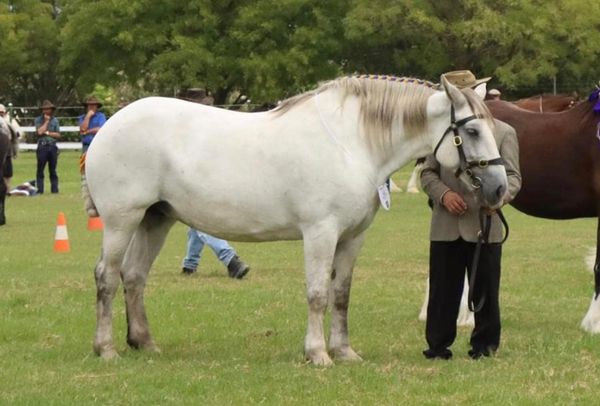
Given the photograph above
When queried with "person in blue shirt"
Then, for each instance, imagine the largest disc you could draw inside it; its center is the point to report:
(90, 122)
(48, 131)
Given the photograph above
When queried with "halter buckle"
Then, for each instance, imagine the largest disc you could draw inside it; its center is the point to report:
(457, 140)
(483, 163)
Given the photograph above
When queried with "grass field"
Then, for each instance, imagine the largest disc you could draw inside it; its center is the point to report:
(240, 342)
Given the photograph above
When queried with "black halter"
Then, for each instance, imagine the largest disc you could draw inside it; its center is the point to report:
(465, 164)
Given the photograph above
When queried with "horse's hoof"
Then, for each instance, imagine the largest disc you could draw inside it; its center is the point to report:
(591, 326)
(346, 354)
(412, 190)
(142, 342)
(591, 321)
(109, 354)
(319, 358)
(151, 347)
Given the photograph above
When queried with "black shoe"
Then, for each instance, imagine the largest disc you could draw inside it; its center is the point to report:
(237, 269)
(477, 353)
(187, 271)
(443, 354)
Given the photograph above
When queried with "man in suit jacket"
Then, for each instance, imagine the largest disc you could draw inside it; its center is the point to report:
(454, 233)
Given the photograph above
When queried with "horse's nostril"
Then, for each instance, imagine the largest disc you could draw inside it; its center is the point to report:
(500, 191)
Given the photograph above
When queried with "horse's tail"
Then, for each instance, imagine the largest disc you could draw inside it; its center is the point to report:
(88, 202)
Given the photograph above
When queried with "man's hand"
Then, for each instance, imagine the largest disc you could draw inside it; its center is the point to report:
(454, 203)
(90, 113)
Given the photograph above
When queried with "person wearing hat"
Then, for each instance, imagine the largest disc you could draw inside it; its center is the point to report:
(453, 237)
(90, 122)
(47, 131)
(494, 94)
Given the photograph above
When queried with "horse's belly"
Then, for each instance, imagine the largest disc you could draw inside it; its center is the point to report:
(269, 215)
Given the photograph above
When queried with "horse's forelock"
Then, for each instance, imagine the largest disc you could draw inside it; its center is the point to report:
(478, 106)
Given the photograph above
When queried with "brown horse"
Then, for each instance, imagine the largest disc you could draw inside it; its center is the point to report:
(560, 149)
(545, 103)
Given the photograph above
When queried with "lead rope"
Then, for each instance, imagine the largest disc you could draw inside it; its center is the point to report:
(485, 223)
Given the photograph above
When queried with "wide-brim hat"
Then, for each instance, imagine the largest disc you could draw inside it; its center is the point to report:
(47, 104)
(464, 79)
(92, 100)
(494, 92)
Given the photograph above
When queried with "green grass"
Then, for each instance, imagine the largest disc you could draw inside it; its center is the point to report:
(240, 342)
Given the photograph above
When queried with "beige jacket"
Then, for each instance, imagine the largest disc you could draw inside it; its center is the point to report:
(436, 181)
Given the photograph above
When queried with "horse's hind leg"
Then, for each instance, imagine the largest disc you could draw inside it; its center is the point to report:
(319, 248)
(145, 246)
(116, 239)
(341, 280)
(591, 321)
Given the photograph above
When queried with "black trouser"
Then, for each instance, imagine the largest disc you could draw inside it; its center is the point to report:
(447, 263)
(47, 153)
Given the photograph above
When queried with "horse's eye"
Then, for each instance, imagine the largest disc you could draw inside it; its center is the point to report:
(472, 132)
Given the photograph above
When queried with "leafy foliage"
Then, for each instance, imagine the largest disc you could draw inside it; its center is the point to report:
(270, 49)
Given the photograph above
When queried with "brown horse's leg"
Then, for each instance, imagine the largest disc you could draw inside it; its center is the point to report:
(141, 253)
(596, 264)
(591, 321)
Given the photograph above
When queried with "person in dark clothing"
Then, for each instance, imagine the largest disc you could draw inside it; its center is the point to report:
(454, 234)
(47, 131)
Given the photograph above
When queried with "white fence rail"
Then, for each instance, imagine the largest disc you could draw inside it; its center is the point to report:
(61, 145)
(71, 146)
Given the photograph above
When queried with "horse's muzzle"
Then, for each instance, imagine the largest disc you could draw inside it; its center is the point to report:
(492, 186)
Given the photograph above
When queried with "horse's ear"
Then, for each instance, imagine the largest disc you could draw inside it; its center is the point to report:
(481, 90)
(455, 95)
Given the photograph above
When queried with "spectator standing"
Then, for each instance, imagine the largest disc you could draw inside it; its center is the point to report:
(90, 122)
(494, 94)
(47, 131)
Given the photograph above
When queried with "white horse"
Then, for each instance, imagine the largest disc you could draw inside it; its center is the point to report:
(160, 160)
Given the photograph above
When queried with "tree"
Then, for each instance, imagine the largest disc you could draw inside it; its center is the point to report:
(523, 44)
(265, 48)
(29, 52)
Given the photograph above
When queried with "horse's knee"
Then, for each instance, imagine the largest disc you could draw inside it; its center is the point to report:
(133, 281)
(317, 299)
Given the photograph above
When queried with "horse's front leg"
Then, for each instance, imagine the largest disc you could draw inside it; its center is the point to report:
(591, 321)
(319, 249)
(341, 281)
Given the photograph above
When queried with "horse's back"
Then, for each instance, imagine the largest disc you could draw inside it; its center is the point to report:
(556, 161)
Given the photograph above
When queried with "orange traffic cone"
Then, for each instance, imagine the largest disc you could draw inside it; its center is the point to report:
(95, 224)
(61, 238)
